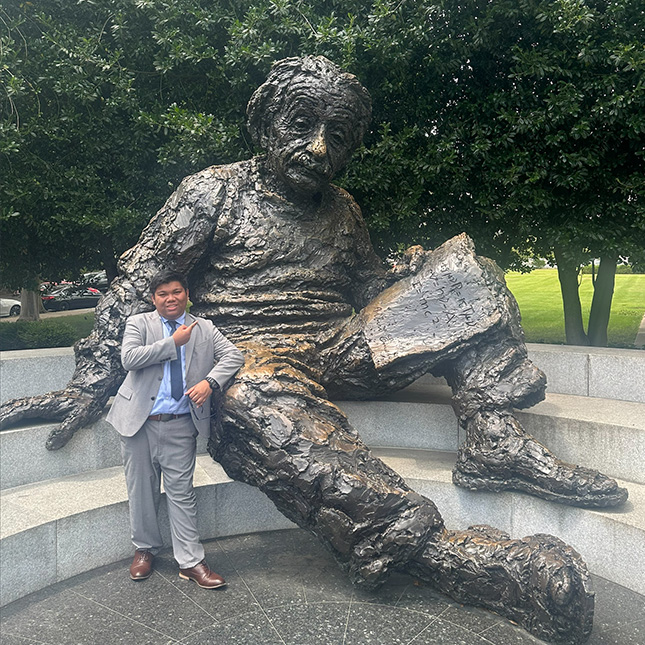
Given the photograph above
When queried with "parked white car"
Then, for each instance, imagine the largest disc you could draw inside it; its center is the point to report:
(9, 307)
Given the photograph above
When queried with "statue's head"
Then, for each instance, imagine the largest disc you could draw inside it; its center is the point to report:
(309, 116)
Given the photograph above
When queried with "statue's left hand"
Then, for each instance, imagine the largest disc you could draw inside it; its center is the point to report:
(410, 262)
(74, 407)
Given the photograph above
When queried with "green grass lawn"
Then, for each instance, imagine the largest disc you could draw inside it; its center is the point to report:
(538, 295)
(540, 301)
(82, 323)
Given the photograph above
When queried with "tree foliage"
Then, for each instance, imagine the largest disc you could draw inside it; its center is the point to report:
(527, 130)
(103, 112)
(519, 121)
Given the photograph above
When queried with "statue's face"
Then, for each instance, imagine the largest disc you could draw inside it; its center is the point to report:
(313, 136)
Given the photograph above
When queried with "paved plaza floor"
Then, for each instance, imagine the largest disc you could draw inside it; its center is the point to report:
(284, 588)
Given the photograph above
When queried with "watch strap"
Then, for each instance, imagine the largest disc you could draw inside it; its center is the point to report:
(213, 383)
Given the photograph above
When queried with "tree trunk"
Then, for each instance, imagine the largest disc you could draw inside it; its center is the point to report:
(111, 271)
(30, 304)
(108, 261)
(603, 293)
(568, 276)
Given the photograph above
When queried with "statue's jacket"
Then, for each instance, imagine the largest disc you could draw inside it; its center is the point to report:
(258, 260)
(298, 276)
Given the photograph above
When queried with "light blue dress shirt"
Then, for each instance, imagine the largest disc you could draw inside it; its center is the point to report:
(164, 403)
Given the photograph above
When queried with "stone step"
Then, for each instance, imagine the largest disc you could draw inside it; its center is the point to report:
(612, 541)
(607, 435)
(600, 372)
(606, 373)
(80, 522)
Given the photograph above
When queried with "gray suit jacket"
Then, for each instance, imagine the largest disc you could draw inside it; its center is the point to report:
(144, 351)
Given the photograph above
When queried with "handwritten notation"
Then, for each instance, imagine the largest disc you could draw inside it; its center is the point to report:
(441, 302)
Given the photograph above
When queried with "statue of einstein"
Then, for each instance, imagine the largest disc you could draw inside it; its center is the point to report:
(281, 261)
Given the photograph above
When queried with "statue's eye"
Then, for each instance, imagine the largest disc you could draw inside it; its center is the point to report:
(336, 137)
(301, 123)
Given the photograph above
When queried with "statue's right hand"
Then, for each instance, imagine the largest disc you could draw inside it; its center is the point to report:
(72, 406)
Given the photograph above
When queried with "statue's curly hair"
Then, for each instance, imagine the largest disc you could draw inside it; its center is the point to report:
(267, 100)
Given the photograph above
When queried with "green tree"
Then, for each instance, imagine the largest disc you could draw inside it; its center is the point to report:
(518, 121)
(101, 114)
(574, 108)
(522, 123)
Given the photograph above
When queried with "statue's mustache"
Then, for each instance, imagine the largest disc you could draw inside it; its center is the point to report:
(308, 161)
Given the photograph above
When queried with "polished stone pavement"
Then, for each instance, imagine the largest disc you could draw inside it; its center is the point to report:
(283, 589)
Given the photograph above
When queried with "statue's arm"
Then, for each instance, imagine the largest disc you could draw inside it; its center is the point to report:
(176, 237)
(369, 276)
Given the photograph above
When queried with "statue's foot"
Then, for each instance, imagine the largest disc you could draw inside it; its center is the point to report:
(498, 455)
(571, 485)
(539, 582)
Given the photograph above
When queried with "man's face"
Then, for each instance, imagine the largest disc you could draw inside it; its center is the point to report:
(313, 136)
(170, 300)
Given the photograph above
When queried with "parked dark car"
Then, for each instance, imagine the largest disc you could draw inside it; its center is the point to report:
(48, 287)
(70, 297)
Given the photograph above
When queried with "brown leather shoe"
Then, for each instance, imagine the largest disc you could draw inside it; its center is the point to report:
(141, 567)
(203, 576)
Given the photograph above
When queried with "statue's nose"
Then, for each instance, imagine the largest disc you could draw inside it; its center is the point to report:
(318, 146)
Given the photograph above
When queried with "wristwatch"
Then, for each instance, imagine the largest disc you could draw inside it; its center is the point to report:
(213, 383)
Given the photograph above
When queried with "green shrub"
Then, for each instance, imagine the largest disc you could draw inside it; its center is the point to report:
(9, 336)
(32, 335)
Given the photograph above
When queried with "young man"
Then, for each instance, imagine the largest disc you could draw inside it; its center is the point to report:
(174, 362)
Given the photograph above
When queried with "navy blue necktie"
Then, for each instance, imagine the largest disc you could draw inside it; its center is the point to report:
(176, 380)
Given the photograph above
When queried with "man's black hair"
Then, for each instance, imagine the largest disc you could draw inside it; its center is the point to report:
(164, 277)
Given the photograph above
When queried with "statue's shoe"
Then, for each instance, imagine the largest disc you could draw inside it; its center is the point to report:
(595, 490)
(539, 582)
(499, 455)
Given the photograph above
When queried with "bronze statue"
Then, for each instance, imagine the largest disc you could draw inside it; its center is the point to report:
(281, 260)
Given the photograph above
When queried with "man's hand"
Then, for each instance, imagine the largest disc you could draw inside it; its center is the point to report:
(182, 334)
(200, 392)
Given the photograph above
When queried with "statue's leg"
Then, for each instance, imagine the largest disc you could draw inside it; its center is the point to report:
(538, 581)
(457, 316)
(488, 380)
(279, 432)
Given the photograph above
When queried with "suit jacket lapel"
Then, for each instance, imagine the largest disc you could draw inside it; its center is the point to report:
(155, 326)
(191, 343)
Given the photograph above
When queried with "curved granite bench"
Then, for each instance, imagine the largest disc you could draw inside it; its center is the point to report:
(70, 508)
